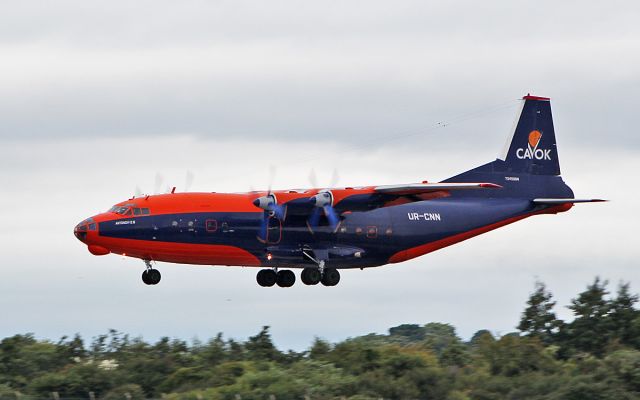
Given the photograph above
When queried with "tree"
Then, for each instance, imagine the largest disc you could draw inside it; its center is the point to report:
(538, 319)
(214, 352)
(410, 332)
(590, 330)
(623, 315)
(319, 349)
(260, 346)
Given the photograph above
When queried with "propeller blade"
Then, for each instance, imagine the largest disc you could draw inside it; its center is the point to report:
(314, 219)
(264, 225)
(158, 183)
(313, 179)
(279, 211)
(272, 176)
(335, 178)
(332, 216)
(188, 181)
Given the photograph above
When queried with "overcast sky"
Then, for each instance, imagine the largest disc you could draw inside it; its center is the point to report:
(97, 98)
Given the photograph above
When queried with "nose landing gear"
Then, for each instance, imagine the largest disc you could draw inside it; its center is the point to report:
(150, 276)
(270, 277)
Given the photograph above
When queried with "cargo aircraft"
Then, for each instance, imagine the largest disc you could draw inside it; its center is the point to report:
(323, 230)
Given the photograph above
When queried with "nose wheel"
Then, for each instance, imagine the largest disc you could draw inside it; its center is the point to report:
(150, 276)
(269, 277)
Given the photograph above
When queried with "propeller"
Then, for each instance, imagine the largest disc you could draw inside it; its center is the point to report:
(323, 202)
(269, 203)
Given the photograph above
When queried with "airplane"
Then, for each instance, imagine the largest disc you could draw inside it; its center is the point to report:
(323, 230)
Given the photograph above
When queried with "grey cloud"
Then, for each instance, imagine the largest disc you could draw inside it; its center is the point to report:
(346, 72)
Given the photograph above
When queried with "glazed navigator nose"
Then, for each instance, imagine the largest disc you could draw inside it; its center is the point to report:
(80, 231)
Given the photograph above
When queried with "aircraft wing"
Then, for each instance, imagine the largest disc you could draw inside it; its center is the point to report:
(368, 198)
(417, 188)
(564, 201)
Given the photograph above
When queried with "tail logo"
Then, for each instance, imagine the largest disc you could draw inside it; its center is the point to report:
(532, 151)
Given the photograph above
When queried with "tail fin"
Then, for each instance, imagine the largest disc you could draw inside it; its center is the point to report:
(532, 148)
(528, 167)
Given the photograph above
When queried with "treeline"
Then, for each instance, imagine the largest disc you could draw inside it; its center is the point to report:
(595, 356)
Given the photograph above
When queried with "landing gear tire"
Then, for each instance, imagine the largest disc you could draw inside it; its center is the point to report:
(151, 276)
(310, 276)
(330, 277)
(285, 278)
(266, 277)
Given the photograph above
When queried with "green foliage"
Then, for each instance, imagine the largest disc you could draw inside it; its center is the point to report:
(594, 356)
(319, 349)
(129, 391)
(538, 319)
(589, 331)
(412, 332)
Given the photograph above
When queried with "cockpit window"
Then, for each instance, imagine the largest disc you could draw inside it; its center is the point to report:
(120, 210)
(128, 210)
(140, 211)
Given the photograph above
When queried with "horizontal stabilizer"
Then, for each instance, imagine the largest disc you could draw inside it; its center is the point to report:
(414, 188)
(564, 201)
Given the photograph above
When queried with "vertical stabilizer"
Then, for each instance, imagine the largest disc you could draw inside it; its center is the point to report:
(532, 148)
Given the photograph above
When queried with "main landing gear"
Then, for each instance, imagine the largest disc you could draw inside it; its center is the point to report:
(309, 276)
(150, 276)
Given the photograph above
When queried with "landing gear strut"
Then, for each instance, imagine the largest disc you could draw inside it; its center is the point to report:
(150, 276)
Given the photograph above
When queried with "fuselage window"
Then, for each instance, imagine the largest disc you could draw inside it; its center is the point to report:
(211, 225)
(145, 211)
(358, 231)
(92, 227)
(137, 211)
(372, 232)
(128, 212)
(388, 232)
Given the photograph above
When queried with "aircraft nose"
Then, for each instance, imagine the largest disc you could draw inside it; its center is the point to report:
(80, 231)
